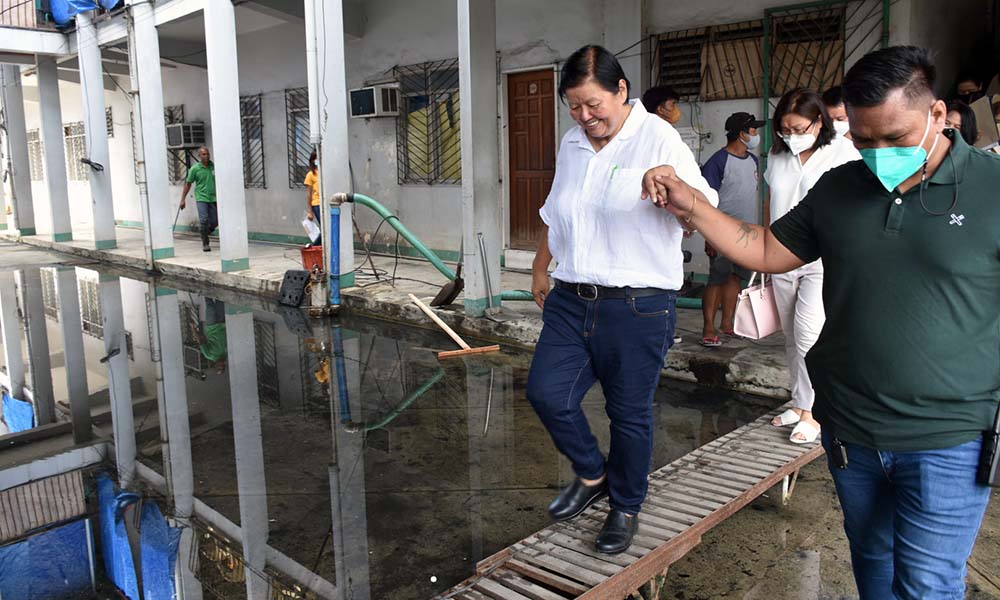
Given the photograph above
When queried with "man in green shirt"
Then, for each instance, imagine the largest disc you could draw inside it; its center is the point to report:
(211, 335)
(202, 175)
(907, 368)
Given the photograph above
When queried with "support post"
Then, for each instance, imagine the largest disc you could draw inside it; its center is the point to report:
(119, 383)
(73, 353)
(95, 128)
(52, 145)
(17, 149)
(37, 336)
(477, 67)
(224, 104)
(11, 324)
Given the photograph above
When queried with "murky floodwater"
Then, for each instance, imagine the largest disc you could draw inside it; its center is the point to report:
(342, 452)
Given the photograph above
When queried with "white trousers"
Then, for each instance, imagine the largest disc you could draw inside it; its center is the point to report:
(799, 296)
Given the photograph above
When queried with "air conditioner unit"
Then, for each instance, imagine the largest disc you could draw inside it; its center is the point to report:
(185, 135)
(375, 101)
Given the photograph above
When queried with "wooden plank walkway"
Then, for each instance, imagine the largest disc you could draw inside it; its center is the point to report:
(686, 499)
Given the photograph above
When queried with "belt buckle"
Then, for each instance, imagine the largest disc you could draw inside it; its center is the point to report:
(587, 286)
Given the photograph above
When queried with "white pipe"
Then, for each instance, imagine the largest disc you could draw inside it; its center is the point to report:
(311, 72)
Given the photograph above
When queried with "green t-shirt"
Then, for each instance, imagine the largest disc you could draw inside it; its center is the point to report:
(909, 357)
(214, 347)
(203, 179)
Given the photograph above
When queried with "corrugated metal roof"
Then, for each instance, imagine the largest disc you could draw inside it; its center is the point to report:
(40, 503)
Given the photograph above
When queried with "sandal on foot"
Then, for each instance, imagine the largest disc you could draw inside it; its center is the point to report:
(807, 430)
(786, 419)
(711, 342)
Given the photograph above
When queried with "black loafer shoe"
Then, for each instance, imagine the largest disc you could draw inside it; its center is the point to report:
(616, 535)
(576, 498)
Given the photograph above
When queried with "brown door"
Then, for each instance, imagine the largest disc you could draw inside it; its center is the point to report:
(531, 122)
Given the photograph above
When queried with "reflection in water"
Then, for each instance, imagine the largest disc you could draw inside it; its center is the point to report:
(306, 459)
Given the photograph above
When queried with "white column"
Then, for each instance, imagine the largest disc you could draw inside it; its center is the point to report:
(224, 103)
(334, 116)
(53, 147)
(12, 98)
(144, 47)
(480, 149)
(75, 359)
(11, 325)
(37, 337)
(623, 35)
(119, 384)
(95, 126)
(250, 481)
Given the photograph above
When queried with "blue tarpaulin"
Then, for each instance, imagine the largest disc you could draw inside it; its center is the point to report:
(53, 565)
(18, 414)
(159, 554)
(63, 11)
(115, 546)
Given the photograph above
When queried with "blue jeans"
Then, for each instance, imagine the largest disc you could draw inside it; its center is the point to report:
(208, 218)
(620, 342)
(319, 223)
(911, 518)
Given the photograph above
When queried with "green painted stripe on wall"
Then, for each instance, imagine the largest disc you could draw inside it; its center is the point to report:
(106, 244)
(161, 253)
(27, 231)
(165, 291)
(236, 309)
(235, 264)
(62, 237)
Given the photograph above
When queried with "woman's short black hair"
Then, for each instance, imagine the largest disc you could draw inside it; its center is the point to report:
(655, 96)
(807, 104)
(969, 128)
(833, 97)
(595, 62)
(312, 161)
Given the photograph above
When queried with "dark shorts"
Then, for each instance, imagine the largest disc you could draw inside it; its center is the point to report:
(720, 268)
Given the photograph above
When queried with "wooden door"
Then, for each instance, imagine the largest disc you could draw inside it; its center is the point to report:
(531, 126)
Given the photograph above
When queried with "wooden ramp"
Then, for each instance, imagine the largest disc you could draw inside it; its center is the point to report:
(687, 498)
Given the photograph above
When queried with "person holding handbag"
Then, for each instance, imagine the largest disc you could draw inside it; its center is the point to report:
(805, 147)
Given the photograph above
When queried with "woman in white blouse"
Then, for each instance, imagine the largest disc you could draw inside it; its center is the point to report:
(610, 316)
(806, 146)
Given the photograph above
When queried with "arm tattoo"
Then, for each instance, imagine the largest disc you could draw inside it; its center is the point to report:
(747, 234)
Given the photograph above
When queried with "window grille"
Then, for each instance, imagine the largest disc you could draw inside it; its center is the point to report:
(267, 362)
(297, 133)
(35, 155)
(91, 314)
(680, 60)
(807, 49)
(109, 122)
(50, 301)
(76, 149)
(177, 160)
(251, 119)
(428, 139)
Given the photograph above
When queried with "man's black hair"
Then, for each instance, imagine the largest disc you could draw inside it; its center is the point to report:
(833, 97)
(655, 96)
(595, 62)
(870, 81)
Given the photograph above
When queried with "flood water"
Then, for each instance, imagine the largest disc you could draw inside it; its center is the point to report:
(340, 451)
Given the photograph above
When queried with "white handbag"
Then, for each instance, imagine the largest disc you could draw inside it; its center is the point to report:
(756, 310)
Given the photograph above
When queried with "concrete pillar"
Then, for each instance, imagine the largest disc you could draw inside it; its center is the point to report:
(12, 98)
(144, 62)
(54, 148)
(95, 126)
(250, 481)
(224, 104)
(477, 66)
(336, 174)
(623, 36)
(37, 336)
(119, 383)
(11, 325)
(75, 359)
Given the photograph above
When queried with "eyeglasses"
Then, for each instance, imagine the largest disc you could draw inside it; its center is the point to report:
(799, 130)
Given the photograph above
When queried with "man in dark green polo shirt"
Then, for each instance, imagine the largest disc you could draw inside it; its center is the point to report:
(202, 175)
(907, 367)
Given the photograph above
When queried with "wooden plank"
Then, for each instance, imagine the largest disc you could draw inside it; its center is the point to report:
(724, 471)
(649, 566)
(527, 588)
(496, 591)
(544, 576)
(659, 499)
(646, 529)
(687, 486)
(665, 525)
(652, 506)
(593, 565)
(712, 483)
(587, 547)
(756, 469)
(640, 545)
(669, 490)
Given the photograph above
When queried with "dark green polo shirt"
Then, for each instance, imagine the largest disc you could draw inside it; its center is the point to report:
(203, 179)
(909, 357)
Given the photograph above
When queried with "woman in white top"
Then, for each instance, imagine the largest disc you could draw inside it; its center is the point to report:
(610, 317)
(805, 147)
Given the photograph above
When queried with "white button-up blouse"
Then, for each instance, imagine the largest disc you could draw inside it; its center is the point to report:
(600, 231)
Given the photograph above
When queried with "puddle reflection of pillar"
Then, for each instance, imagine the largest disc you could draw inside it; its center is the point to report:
(347, 474)
(250, 481)
(119, 383)
(479, 381)
(74, 358)
(11, 325)
(37, 337)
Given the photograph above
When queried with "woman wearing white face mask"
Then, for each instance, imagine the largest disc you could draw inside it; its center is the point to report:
(805, 147)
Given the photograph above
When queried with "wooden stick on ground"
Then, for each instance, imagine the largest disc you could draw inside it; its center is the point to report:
(466, 349)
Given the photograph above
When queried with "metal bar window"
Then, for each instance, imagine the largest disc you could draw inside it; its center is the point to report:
(90, 308)
(251, 118)
(267, 362)
(50, 304)
(428, 139)
(297, 132)
(680, 54)
(76, 149)
(109, 122)
(177, 160)
(35, 156)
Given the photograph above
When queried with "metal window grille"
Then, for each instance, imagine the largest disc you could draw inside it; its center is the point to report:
(137, 154)
(50, 302)
(297, 132)
(35, 155)
(679, 54)
(194, 362)
(251, 118)
(267, 362)
(90, 308)
(76, 149)
(721, 62)
(315, 395)
(109, 122)
(428, 139)
(177, 160)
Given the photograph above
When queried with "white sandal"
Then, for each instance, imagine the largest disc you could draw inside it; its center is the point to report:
(808, 431)
(786, 419)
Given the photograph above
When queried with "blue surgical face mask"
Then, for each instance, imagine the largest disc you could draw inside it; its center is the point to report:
(895, 165)
(753, 142)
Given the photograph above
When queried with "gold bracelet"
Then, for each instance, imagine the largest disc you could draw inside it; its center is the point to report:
(690, 215)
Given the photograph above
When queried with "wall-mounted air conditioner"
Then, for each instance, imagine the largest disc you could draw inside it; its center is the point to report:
(185, 135)
(375, 101)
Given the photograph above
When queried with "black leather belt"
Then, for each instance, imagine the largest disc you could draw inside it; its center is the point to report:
(589, 291)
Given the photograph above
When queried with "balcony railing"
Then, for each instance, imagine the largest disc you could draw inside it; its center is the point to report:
(22, 13)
